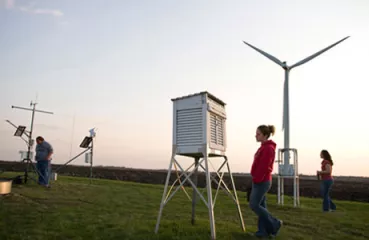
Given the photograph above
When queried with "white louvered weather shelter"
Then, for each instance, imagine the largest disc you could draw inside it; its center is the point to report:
(199, 122)
(199, 132)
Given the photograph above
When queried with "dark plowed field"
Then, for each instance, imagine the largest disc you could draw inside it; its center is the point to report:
(352, 189)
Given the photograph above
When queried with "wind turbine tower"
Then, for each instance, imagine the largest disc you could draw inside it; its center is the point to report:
(286, 169)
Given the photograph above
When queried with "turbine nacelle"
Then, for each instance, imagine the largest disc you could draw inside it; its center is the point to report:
(285, 66)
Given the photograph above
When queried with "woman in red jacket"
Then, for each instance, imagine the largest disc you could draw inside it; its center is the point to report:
(327, 180)
(261, 172)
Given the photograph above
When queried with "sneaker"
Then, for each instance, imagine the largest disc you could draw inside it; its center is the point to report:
(261, 234)
(279, 225)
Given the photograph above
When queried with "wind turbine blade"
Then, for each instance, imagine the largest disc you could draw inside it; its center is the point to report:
(274, 59)
(317, 54)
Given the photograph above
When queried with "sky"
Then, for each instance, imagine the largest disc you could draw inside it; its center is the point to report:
(115, 65)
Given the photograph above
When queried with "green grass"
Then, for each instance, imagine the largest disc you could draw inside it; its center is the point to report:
(74, 209)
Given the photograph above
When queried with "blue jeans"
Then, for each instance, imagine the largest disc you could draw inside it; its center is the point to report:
(267, 224)
(326, 187)
(44, 170)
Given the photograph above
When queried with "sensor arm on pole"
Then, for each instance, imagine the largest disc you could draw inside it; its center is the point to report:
(60, 167)
(30, 109)
(25, 132)
(25, 141)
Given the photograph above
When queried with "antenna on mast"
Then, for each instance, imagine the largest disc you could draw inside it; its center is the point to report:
(72, 136)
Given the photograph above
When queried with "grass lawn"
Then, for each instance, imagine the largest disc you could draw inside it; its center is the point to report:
(74, 209)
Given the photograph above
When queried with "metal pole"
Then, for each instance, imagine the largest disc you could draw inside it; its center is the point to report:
(294, 182)
(91, 161)
(279, 177)
(286, 119)
(210, 198)
(30, 143)
(194, 200)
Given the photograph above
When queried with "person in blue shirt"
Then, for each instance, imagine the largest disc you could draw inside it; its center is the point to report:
(44, 150)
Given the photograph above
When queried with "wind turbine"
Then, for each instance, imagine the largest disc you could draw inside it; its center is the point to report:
(287, 69)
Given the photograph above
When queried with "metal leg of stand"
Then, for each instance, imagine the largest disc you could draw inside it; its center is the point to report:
(298, 178)
(210, 198)
(30, 166)
(294, 191)
(26, 173)
(279, 190)
(298, 191)
(282, 191)
(194, 194)
(236, 197)
(164, 194)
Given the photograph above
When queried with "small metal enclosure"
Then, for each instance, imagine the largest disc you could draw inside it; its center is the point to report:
(199, 121)
(288, 171)
(24, 154)
(88, 157)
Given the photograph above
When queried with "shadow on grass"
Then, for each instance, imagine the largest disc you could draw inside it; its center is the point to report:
(242, 236)
(171, 236)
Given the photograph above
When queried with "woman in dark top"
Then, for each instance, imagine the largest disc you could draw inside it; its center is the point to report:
(325, 175)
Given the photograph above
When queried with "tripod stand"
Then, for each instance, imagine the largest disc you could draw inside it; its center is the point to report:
(28, 162)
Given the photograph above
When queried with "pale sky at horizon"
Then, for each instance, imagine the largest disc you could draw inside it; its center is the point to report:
(115, 65)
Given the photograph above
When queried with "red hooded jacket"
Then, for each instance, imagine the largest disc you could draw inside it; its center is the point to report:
(262, 167)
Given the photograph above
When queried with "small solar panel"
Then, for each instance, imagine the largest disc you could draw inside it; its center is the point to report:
(20, 130)
(86, 142)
